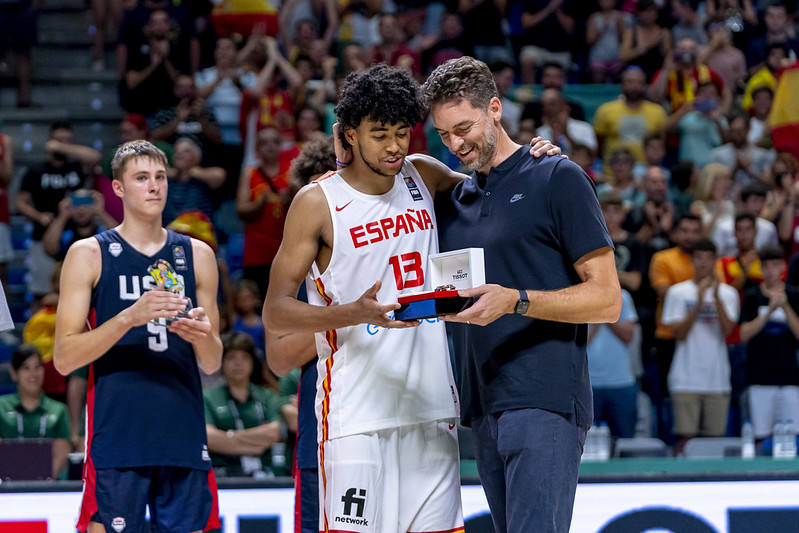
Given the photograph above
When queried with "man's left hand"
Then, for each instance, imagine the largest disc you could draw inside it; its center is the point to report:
(493, 301)
(194, 328)
(541, 146)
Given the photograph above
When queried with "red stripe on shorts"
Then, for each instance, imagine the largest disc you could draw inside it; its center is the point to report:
(213, 518)
(88, 506)
(456, 530)
(332, 341)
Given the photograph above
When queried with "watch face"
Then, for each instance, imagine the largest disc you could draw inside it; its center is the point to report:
(521, 307)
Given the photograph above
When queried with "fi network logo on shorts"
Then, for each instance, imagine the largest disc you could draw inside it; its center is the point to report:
(350, 499)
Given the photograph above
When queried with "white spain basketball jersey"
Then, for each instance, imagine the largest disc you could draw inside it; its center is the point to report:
(373, 378)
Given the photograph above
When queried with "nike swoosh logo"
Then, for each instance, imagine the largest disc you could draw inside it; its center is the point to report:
(451, 426)
(343, 206)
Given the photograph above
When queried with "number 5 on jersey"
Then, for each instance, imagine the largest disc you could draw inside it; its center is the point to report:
(410, 263)
(158, 341)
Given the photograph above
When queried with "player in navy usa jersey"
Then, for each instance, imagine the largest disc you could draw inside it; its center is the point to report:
(145, 435)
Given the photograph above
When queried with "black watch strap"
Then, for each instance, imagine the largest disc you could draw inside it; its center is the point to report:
(522, 304)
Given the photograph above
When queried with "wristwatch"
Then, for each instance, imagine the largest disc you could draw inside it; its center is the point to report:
(522, 304)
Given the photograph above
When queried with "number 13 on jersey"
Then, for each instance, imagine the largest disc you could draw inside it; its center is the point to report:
(411, 264)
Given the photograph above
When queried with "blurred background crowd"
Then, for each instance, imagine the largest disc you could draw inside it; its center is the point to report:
(685, 113)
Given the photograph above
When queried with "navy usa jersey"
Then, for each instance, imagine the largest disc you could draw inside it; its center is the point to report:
(144, 404)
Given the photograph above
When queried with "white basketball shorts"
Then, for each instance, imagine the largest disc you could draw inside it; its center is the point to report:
(400, 480)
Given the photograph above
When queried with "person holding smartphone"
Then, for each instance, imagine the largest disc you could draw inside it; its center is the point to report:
(65, 170)
(700, 124)
(678, 80)
(81, 214)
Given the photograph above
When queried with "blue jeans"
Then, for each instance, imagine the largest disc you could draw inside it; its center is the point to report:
(528, 460)
(618, 406)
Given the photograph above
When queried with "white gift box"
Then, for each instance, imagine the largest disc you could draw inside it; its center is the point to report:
(465, 269)
(461, 269)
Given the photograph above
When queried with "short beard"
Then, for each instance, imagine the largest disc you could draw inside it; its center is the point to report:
(485, 153)
(373, 168)
(634, 98)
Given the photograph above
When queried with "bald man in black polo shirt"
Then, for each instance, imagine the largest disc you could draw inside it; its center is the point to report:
(550, 270)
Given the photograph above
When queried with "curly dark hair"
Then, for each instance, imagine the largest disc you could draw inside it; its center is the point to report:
(381, 93)
(456, 79)
(316, 157)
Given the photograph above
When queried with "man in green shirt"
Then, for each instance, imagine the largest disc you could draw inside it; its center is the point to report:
(242, 419)
(28, 413)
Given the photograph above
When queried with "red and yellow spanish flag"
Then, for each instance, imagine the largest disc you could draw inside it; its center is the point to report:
(239, 16)
(195, 224)
(784, 117)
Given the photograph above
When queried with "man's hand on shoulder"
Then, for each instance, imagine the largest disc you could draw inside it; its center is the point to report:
(541, 146)
(439, 177)
(493, 301)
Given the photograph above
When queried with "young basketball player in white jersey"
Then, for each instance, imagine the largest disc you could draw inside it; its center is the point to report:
(386, 401)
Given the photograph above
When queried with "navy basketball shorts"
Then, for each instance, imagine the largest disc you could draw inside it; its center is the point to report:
(179, 499)
(306, 500)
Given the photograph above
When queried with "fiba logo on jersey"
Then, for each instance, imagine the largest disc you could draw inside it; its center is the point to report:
(350, 499)
(180, 257)
(118, 524)
(413, 189)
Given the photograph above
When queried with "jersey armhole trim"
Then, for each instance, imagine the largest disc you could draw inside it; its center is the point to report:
(324, 176)
(99, 278)
(315, 271)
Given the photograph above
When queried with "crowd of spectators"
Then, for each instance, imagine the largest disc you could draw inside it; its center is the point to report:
(703, 209)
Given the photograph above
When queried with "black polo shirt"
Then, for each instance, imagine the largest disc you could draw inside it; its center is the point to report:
(534, 218)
